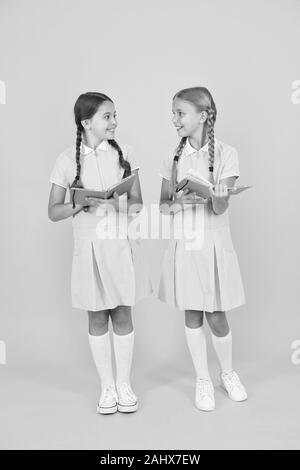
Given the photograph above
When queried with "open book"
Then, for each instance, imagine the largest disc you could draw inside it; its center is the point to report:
(120, 188)
(196, 183)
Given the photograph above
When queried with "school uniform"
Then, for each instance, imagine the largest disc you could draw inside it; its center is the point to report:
(105, 272)
(204, 276)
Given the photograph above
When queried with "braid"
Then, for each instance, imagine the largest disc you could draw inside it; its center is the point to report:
(202, 99)
(172, 186)
(211, 138)
(123, 163)
(76, 182)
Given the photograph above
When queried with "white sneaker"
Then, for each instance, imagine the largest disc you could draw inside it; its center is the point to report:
(233, 386)
(108, 401)
(127, 400)
(204, 396)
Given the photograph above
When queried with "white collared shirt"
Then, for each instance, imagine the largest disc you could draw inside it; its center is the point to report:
(100, 168)
(225, 164)
(85, 149)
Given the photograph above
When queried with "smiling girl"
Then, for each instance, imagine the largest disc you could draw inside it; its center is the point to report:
(104, 276)
(202, 278)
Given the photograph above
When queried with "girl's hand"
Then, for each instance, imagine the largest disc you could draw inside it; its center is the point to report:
(219, 192)
(219, 198)
(95, 201)
(92, 203)
(116, 196)
(188, 197)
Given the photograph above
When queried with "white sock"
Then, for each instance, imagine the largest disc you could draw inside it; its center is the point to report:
(101, 351)
(197, 345)
(223, 348)
(123, 345)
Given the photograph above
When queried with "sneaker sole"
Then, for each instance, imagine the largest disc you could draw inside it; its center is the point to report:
(107, 411)
(205, 409)
(233, 399)
(127, 408)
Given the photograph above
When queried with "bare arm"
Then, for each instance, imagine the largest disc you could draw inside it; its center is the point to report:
(134, 197)
(57, 208)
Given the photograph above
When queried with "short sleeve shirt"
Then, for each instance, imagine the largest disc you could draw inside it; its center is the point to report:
(225, 164)
(100, 168)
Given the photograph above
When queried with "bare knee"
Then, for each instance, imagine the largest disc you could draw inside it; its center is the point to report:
(121, 320)
(218, 323)
(98, 322)
(193, 318)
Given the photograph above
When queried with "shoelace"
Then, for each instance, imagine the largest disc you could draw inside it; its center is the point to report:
(233, 380)
(107, 391)
(124, 388)
(204, 387)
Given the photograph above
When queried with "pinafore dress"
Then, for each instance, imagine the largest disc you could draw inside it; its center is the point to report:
(106, 273)
(207, 277)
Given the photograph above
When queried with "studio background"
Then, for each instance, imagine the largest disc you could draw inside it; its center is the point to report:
(140, 53)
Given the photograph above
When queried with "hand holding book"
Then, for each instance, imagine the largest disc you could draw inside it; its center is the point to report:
(189, 197)
(204, 188)
(83, 196)
(97, 201)
(92, 203)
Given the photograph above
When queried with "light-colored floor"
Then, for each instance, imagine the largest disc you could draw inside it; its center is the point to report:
(54, 408)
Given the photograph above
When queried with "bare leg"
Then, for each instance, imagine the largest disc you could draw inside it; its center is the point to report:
(98, 322)
(218, 323)
(193, 318)
(121, 320)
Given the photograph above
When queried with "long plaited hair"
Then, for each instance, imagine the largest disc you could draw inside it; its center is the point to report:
(85, 107)
(202, 99)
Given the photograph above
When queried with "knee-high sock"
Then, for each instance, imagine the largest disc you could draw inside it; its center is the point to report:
(223, 348)
(123, 346)
(101, 351)
(197, 345)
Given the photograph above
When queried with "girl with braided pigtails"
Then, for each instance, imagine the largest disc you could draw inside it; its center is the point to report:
(107, 273)
(203, 277)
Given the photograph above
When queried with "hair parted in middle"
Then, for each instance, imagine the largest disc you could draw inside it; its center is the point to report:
(85, 107)
(202, 99)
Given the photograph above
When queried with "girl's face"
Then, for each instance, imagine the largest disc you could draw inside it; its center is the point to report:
(103, 124)
(186, 118)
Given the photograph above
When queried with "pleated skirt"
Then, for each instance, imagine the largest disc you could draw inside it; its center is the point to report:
(207, 278)
(107, 273)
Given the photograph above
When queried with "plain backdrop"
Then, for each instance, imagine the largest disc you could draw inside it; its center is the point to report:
(140, 53)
